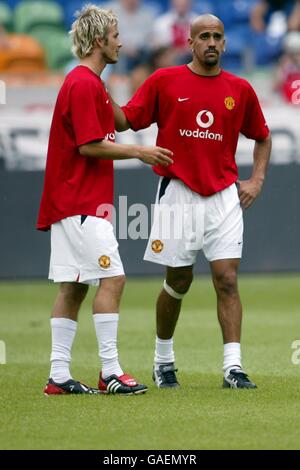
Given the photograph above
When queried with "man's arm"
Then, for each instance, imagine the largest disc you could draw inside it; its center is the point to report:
(107, 150)
(121, 122)
(294, 19)
(257, 16)
(250, 189)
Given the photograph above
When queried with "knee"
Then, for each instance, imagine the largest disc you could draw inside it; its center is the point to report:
(181, 284)
(120, 282)
(115, 284)
(226, 282)
(74, 291)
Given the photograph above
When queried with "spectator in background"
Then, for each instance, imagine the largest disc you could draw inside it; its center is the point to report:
(264, 10)
(172, 29)
(288, 70)
(270, 21)
(135, 24)
(159, 58)
(294, 19)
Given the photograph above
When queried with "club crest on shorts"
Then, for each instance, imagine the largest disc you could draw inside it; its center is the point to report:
(229, 102)
(104, 262)
(157, 246)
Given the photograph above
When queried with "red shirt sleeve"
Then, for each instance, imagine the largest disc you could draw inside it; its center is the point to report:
(86, 100)
(141, 110)
(254, 124)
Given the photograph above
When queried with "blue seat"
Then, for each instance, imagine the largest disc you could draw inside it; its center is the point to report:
(204, 6)
(12, 3)
(266, 49)
(158, 6)
(237, 47)
(234, 12)
(70, 7)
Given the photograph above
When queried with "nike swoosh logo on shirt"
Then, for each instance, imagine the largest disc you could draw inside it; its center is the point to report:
(182, 99)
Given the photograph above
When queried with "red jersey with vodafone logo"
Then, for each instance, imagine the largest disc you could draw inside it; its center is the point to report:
(75, 184)
(199, 118)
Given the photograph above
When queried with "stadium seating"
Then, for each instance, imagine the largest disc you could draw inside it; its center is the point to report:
(235, 16)
(57, 45)
(12, 3)
(5, 16)
(31, 14)
(266, 48)
(234, 12)
(23, 54)
(45, 18)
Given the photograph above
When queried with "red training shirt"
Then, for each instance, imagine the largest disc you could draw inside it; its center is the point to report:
(199, 118)
(75, 184)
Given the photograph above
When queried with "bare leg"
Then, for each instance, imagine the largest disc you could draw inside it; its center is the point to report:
(167, 307)
(224, 275)
(69, 300)
(108, 295)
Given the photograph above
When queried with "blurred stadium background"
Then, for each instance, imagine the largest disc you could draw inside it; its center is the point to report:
(34, 56)
(262, 45)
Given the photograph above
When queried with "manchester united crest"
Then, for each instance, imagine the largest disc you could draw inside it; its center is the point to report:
(157, 246)
(229, 102)
(104, 262)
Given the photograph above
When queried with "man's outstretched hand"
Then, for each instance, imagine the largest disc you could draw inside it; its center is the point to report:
(155, 156)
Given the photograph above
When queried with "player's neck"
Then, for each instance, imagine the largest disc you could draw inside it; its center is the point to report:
(198, 69)
(94, 64)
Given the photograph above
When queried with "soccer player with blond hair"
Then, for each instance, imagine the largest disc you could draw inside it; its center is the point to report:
(78, 180)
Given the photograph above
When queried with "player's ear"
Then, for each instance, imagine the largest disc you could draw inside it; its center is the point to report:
(190, 42)
(99, 42)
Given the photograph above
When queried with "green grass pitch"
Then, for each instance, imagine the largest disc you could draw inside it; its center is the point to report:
(199, 415)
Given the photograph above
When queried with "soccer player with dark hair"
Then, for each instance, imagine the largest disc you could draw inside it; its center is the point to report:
(200, 110)
(78, 181)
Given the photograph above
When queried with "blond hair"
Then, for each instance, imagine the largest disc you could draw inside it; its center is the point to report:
(92, 22)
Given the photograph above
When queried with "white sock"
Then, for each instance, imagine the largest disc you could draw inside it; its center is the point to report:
(232, 357)
(164, 352)
(63, 334)
(106, 326)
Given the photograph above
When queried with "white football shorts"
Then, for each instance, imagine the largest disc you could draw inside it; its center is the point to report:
(84, 249)
(185, 222)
